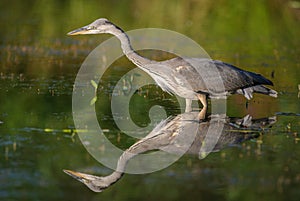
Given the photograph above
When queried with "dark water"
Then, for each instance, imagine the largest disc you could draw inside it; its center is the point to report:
(39, 64)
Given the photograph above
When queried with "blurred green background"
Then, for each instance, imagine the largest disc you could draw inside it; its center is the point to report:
(39, 64)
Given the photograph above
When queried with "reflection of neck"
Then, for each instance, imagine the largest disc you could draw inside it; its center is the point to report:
(112, 178)
(119, 172)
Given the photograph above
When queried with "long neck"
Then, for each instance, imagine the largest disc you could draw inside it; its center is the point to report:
(121, 166)
(128, 50)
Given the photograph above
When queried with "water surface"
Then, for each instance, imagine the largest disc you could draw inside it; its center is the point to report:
(39, 64)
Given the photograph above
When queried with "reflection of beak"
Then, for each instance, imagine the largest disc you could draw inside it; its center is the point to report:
(76, 175)
(79, 31)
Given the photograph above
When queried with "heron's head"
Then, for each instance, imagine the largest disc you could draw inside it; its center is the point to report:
(95, 183)
(99, 26)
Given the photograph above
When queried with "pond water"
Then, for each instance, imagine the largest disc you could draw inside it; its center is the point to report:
(39, 64)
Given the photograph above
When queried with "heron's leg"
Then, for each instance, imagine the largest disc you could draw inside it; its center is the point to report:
(188, 105)
(202, 113)
(203, 100)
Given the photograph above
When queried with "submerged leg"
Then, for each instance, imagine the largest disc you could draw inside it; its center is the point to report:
(188, 105)
(203, 100)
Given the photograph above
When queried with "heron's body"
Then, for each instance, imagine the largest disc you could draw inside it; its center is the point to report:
(188, 83)
(190, 78)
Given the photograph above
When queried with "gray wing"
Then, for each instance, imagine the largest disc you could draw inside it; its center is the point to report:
(204, 75)
(236, 78)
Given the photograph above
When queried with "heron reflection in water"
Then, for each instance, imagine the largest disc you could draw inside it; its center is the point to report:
(169, 136)
(192, 78)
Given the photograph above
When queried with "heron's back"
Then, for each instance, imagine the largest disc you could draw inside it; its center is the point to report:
(188, 76)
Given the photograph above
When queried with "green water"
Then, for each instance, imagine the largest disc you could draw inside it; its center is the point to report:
(39, 63)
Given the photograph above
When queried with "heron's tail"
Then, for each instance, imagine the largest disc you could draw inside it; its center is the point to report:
(248, 92)
(264, 90)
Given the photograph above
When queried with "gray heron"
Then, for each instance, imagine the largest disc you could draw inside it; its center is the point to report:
(191, 80)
